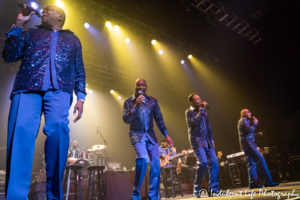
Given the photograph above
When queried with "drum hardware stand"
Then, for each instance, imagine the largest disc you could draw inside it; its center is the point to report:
(42, 175)
(106, 144)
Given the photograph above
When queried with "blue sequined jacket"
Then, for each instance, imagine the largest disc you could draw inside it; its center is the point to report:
(33, 48)
(199, 128)
(141, 119)
(247, 136)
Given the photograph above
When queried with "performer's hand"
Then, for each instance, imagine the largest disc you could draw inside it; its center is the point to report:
(259, 134)
(170, 141)
(255, 120)
(79, 107)
(203, 104)
(23, 17)
(139, 100)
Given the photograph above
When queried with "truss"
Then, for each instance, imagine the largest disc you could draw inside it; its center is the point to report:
(228, 18)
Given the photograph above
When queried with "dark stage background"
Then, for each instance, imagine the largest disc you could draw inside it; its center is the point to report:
(262, 77)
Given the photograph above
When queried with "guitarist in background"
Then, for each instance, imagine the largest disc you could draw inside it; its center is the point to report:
(165, 150)
(202, 142)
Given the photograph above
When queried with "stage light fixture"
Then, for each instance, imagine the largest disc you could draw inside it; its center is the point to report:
(127, 40)
(34, 5)
(190, 56)
(59, 4)
(160, 52)
(108, 24)
(86, 25)
(112, 91)
(116, 28)
(153, 41)
(119, 97)
(182, 62)
(90, 91)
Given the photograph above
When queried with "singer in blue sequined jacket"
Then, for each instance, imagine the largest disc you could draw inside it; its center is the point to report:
(247, 136)
(142, 122)
(33, 47)
(199, 128)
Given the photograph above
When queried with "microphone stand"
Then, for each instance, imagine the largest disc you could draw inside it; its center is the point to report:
(105, 143)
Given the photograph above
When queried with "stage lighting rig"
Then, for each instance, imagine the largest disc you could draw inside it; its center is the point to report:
(228, 18)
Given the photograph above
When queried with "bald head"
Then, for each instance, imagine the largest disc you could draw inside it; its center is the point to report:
(245, 113)
(140, 79)
(140, 85)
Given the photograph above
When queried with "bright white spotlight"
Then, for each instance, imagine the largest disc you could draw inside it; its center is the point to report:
(127, 40)
(90, 91)
(34, 5)
(108, 24)
(160, 52)
(119, 97)
(190, 56)
(153, 41)
(182, 62)
(59, 4)
(86, 89)
(86, 25)
(116, 28)
(112, 91)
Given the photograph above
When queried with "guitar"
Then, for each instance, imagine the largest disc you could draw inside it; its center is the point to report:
(168, 158)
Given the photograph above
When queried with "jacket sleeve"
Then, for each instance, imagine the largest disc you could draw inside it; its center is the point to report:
(129, 113)
(211, 136)
(14, 45)
(79, 71)
(191, 120)
(159, 120)
(245, 125)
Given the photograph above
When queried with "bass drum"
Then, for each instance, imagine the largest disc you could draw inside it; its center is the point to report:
(85, 164)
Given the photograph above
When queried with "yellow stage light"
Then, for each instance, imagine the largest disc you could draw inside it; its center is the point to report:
(112, 91)
(153, 41)
(90, 91)
(59, 4)
(190, 56)
(127, 40)
(119, 97)
(108, 24)
(160, 52)
(116, 28)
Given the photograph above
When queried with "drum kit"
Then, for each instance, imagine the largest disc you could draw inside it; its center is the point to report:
(93, 156)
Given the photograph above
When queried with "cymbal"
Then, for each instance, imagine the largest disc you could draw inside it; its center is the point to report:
(71, 159)
(90, 150)
(98, 147)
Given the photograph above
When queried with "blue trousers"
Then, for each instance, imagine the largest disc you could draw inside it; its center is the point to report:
(146, 149)
(23, 126)
(256, 161)
(206, 157)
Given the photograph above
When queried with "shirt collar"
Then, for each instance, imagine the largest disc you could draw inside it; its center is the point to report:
(133, 96)
(192, 108)
(44, 26)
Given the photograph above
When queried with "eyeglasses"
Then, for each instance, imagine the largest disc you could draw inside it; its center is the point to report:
(140, 85)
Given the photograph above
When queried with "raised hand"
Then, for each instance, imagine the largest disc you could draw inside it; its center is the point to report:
(23, 17)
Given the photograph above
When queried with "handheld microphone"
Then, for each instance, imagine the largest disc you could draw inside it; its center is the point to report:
(255, 117)
(141, 93)
(30, 9)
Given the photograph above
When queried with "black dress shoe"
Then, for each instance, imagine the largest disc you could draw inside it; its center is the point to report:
(271, 184)
(253, 186)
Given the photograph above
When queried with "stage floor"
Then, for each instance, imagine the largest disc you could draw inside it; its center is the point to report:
(283, 189)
